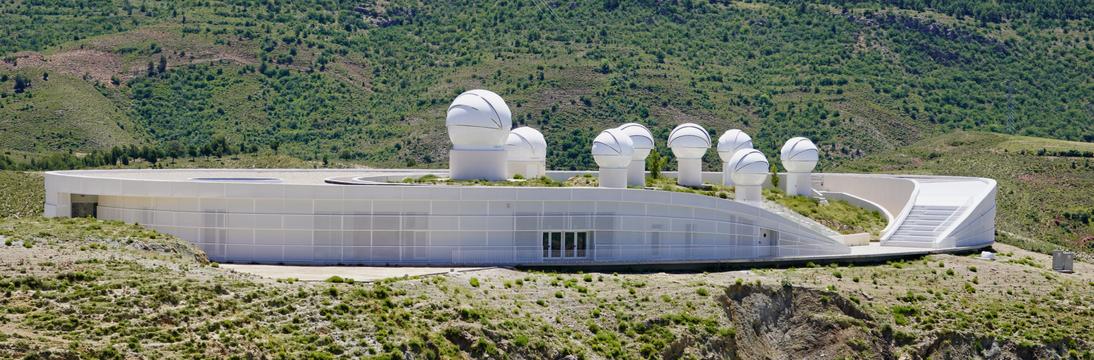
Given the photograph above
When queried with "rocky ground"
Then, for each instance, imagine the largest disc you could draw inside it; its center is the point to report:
(87, 288)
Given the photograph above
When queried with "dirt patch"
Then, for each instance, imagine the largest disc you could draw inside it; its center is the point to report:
(95, 64)
(799, 323)
(102, 59)
(88, 64)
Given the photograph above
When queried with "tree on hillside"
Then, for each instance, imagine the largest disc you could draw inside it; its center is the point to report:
(151, 69)
(21, 83)
(162, 68)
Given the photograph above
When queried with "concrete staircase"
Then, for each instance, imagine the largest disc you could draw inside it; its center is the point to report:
(817, 183)
(923, 226)
(820, 197)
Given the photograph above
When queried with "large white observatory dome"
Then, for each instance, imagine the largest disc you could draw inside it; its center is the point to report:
(640, 135)
(689, 141)
(731, 141)
(750, 167)
(478, 119)
(613, 149)
(526, 144)
(799, 155)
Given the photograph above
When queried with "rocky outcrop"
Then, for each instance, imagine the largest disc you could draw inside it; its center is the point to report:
(790, 322)
(798, 323)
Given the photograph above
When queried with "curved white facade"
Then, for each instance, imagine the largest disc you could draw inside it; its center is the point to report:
(294, 216)
(304, 220)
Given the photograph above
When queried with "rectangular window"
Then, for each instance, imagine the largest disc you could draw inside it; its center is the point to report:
(570, 244)
(581, 244)
(556, 244)
(566, 244)
(546, 244)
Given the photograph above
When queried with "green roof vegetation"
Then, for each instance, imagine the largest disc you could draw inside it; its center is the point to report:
(838, 215)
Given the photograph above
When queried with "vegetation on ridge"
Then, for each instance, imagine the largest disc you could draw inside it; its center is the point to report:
(370, 82)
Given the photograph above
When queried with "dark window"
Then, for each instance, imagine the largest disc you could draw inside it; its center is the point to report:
(546, 244)
(581, 244)
(556, 244)
(566, 244)
(570, 244)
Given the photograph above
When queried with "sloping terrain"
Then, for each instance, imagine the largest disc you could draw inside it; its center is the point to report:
(102, 289)
(1045, 186)
(88, 288)
(369, 82)
(63, 112)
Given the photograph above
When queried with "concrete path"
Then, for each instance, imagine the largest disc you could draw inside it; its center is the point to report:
(357, 273)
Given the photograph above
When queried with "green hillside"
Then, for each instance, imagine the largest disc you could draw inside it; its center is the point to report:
(1044, 196)
(63, 113)
(369, 82)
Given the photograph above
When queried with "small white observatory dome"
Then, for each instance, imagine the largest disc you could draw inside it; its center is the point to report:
(640, 135)
(689, 141)
(731, 141)
(799, 155)
(750, 167)
(478, 119)
(526, 144)
(613, 149)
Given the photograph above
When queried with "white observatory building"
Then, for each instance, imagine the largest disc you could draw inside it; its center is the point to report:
(478, 124)
(643, 144)
(385, 217)
(689, 142)
(799, 156)
(613, 151)
(750, 169)
(730, 143)
(526, 151)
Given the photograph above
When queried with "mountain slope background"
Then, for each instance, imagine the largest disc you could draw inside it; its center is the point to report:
(1043, 201)
(369, 82)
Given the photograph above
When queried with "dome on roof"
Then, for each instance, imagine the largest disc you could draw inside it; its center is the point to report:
(526, 144)
(478, 119)
(689, 141)
(731, 141)
(613, 149)
(799, 155)
(749, 167)
(639, 134)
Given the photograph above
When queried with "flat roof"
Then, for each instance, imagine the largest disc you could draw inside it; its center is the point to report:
(286, 176)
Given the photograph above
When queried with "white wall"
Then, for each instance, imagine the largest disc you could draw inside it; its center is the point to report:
(441, 225)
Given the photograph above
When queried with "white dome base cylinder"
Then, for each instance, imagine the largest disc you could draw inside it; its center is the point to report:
(527, 169)
(799, 183)
(689, 172)
(727, 174)
(748, 193)
(613, 177)
(477, 164)
(636, 173)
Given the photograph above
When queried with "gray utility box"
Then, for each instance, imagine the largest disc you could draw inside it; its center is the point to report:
(1063, 261)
